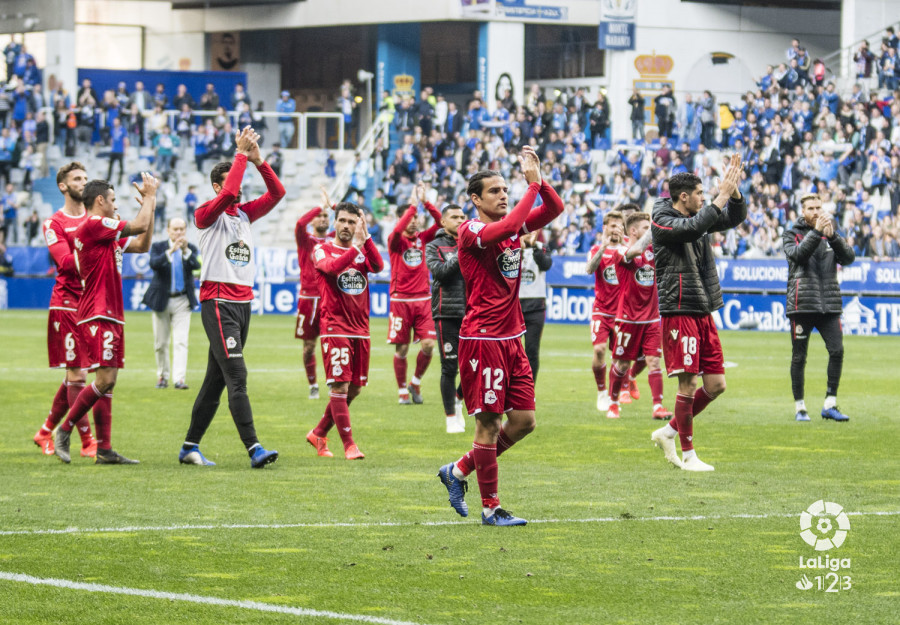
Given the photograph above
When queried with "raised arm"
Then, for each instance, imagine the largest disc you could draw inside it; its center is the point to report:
(333, 266)
(547, 212)
(300, 233)
(428, 235)
(274, 189)
(142, 224)
(206, 215)
(513, 222)
(637, 248)
(801, 251)
(667, 228)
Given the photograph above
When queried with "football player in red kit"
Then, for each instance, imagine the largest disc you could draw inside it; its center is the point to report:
(343, 265)
(411, 295)
(494, 370)
(637, 328)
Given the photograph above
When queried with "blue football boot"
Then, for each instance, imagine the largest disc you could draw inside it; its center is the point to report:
(456, 488)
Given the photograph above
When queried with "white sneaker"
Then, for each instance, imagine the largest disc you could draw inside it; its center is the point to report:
(667, 444)
(454, 426)
(695, 464)
(603, 401)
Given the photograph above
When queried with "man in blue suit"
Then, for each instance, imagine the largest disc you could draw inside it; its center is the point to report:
(171, 298)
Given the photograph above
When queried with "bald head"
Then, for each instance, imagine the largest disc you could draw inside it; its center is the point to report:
(177, 228)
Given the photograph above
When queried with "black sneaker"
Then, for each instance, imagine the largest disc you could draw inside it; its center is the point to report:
(108, 456)
(61, 445)
(162, 383)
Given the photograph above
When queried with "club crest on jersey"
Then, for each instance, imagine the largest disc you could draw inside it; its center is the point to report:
(448, 347)
(93, 330)
(645, 276)
(648, 254)
(798, 328)
(610, 276)
(620, 350)
(490, 397)
(674, 334)
(352, 282)
(230, 343)
(336, 370)
(688, 361)
(412, 257)
(318, 253)
(107, 354)
(70, 356)
(238, 254)
(509, 261)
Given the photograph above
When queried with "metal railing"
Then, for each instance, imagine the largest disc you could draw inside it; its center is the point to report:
(845, 53)
(365, 149)
(302, 123)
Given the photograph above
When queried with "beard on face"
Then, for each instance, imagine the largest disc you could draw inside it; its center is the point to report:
(74, 194)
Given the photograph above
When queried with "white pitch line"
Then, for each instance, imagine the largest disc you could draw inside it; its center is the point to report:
(201, 599)
(280, 526)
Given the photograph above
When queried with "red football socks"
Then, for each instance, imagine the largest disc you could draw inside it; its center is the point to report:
(656, 386)
(702, 399)
(103, 421)
(504, 442)
(600, 376)
(616, 380)
(310, 364)
(637, 367)
(58, 408)
(400, 371)
(685, 421)
(466, 464)
(422, 362)
(321, 430)
(86, 399)
(340, 412)
(486, 470)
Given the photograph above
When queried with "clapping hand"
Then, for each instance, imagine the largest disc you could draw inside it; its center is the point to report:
(531, 164)
(361, 233)
(825, 225)
(147, 188)
(728, 185)
(246, 141)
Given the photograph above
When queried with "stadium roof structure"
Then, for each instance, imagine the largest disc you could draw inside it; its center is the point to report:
(214, 4)
(781, 4)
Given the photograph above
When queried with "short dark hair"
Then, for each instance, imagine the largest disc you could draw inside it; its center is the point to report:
(94, 189)
(63, 171)
(218, 173)
(450, 207)
(476, 182)
(634, 218)
(684, 182)
(628, 206)
(347, 207)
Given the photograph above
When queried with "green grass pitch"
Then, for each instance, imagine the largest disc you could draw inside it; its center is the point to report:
(624, 538)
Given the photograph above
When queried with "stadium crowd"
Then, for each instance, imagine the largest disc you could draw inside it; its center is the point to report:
(795, 132)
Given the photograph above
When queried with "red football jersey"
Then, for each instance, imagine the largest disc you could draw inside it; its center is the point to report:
(344, 287)
(492, 276)
(607, 280)
(306, 245)
(409, 274)
(98, 255)
(639, 302)
(59, 232)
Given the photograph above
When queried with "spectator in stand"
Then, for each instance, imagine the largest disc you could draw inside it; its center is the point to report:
(10, 204)
(7, 150)
(10, 52)
(21, 62)
(182, 98)
(209, 101)
(286, 105)
(239, 95)
(160, 98)
(32, 228)
(140, 98)
(665, 111)
(122, 95)
(190, 204)
(118, 138)
(275, 159)
(164, 145)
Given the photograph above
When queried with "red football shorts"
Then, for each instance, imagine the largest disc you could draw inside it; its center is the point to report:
(410, 317)
(346, 360)
(691, 345)
(602, 330)
(103, 344)
(307, 317)
(495, 375)
(636, 339)
(63, 349)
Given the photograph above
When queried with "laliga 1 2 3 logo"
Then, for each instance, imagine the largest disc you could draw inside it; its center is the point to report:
(824, 526)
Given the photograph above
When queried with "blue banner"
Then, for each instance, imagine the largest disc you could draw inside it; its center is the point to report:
(276, 265)
(616, 36)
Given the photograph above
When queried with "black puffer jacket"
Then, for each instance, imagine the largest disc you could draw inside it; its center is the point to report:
(812, 269)
(685, 264)
(448, 289)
